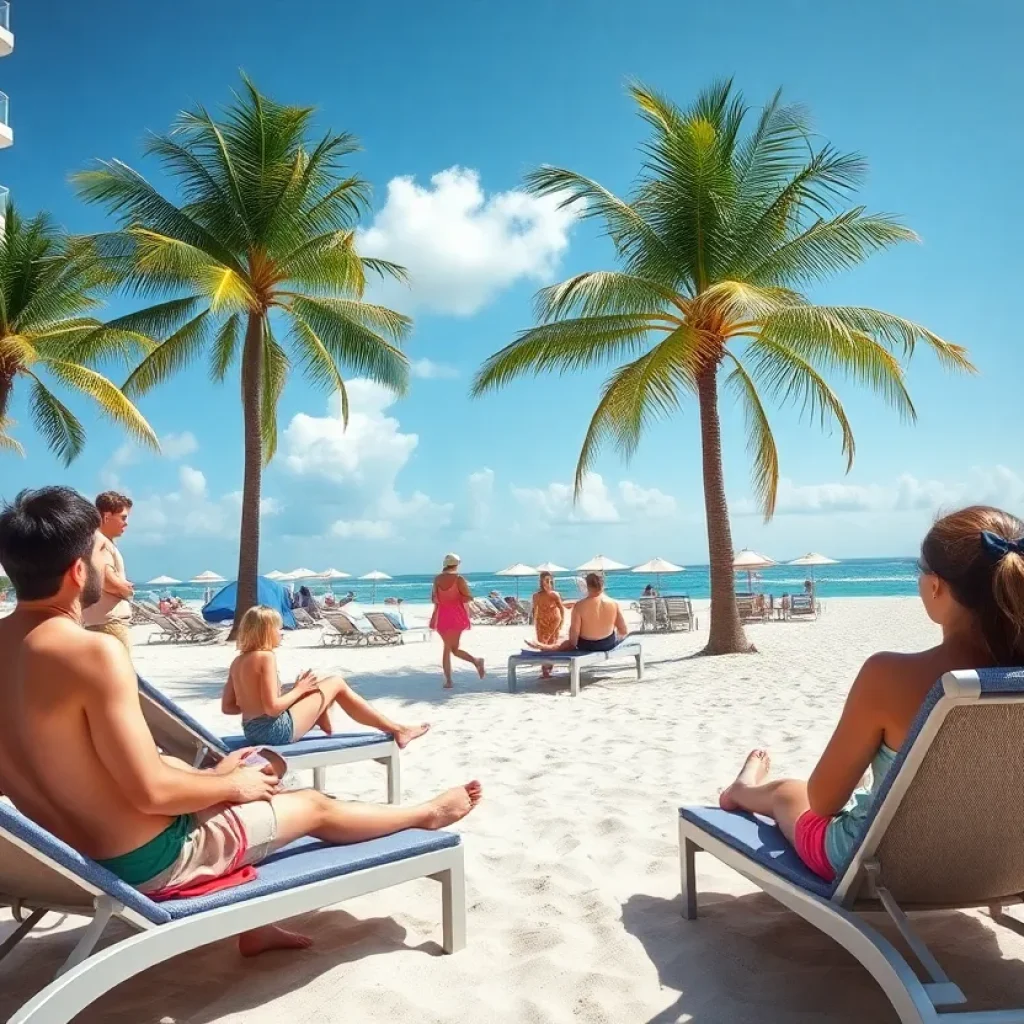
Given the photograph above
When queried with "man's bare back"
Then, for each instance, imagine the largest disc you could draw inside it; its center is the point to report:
(597, 616)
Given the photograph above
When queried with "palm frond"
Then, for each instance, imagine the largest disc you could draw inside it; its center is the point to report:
(275, 373)
(761, 447)
(225, 347)
(170, 356)
(317, 362)
(63, 433)
(605, 292)
(8, 443)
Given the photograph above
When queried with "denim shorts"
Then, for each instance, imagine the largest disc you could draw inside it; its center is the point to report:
(269, 730)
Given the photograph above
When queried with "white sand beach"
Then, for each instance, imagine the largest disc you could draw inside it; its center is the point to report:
(572, 864)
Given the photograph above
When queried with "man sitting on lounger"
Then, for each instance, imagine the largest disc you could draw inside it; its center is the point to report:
(77, 757)
(596, 623)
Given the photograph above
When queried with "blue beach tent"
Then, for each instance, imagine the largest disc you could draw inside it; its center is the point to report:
(221, 607)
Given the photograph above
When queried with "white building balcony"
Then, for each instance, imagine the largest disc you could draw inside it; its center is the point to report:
(4, 193)
(6, 131)
(6, 35)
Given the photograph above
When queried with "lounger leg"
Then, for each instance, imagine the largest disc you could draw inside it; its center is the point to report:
(688, 876)
(512, 683)
(320, 779)
(394, 779)
(574, 677)
(640, 666)
(106, 908)
(453, 904)
(21, 931)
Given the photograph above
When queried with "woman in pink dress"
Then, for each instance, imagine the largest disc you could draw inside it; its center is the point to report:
(450, 596)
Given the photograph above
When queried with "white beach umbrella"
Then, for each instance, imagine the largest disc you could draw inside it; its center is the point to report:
(208, 577)
(334, 574)
(747, 561)
(300, 574)
(517, 570)
(551, 567)
(812, 558)
(376, 575)
(276, 575)
(161, 581)
(657, 566)
(600, 563)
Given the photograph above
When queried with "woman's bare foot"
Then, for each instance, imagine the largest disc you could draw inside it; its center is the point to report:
(324, 722)
(753, 773)
(479, 662)
(448, 684)
(405, 734)
(453, 805)
(262, 940)
(533, 645)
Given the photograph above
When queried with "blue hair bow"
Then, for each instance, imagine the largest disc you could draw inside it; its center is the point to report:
(997, 548)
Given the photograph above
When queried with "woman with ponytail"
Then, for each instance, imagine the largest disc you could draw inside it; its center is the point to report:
(972, 586)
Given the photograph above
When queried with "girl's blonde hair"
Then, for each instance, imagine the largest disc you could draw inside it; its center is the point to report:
(256, 630)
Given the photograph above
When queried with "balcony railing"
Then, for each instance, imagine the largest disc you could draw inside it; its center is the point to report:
(5, 104)
(4, 193)
(5, 15)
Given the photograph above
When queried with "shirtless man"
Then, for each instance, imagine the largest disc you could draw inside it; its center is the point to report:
(77, 758)
(112, 613)
(596, 623)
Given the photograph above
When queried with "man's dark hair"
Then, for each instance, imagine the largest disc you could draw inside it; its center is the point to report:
(595, 581)
(112, 501)
(42, 534)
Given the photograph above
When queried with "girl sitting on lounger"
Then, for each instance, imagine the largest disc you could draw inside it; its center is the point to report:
(272, 718)
(972, 585)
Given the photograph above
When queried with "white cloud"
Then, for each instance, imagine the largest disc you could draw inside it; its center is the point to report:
(177, 446)
(462, 247)
(481, 493)
(647, 502)
(554, 503)
(190, 511)
(991, 485)
(355, 471)
(427, 369)
(172, 446)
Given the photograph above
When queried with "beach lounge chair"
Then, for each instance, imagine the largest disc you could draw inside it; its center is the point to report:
(303, 620)
(576, 660)
(679, 613)
(480, 611)
(195, 629)
(177, 733)
(39, 873)
(524, 612)
(384, 625)
(944, 833)
(341, 631)
(802, 606)
(168, 630)
(751, 607)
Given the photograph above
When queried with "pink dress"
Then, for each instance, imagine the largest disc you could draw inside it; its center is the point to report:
(450, 615)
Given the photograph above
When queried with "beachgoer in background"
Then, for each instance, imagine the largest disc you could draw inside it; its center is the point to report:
(272, 718)
(329, 601)
(347, 599)
(112, 614)
(449, 595)
(972, 585)
(649, 591)
(809, 588)
(548, 615)
(155, 822)
(596, 623)
(308, 602)
(166, 606)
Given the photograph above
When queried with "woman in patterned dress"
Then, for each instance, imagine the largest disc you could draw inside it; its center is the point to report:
(548, 615)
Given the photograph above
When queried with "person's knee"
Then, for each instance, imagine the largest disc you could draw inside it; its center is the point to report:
(315, 806)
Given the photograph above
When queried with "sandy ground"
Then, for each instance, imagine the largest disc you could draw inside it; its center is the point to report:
(572, 865)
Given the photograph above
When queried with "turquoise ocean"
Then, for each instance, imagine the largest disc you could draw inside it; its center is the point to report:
(861, 577)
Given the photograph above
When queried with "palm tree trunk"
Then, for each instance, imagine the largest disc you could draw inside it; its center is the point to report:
(249, 538)
(726, 633)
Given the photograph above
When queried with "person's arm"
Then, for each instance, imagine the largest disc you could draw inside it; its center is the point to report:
(117, 585)
(854, 743)
(124, 745)
(228, 700)
(620, 622)
(574, 626)
(272, 701)
(465, 593)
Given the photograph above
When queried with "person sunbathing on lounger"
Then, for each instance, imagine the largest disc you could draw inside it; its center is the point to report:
(77, 757)
(272, 718)
(596, 623)
(972, 585)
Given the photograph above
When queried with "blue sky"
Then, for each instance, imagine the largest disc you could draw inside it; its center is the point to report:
(453, 104)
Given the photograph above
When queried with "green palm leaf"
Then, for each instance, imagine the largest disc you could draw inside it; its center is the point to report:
(61, 429)
(761, 447)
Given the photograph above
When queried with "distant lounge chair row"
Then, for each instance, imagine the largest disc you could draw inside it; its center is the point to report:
(666, 614)
(499, 611)
(343, 631)
(179, 628)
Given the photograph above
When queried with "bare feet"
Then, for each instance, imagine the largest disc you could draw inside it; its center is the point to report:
(324, 721)
(405, 734)
(453, 805)
(262, 940)
(533, 645)
(753, 773)
(448, 684)
(479, 662)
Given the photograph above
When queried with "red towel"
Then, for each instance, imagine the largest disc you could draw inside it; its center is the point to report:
(187, 892)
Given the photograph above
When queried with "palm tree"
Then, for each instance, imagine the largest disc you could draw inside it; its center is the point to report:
(47, 330)
(722, 230)
(265, 226)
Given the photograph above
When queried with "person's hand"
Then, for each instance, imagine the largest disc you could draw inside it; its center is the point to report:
(252, 784)
(230, 762)
(305, 676)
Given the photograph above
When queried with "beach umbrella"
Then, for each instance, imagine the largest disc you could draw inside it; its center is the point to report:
(375, 576)
(162, 581)
(551, 567)
(658, 566)
(600, 563)
(207, 577)
(300, 574)
(812, 558)
(276, 575)
(747, 561)
(517, 570)
(334, 574)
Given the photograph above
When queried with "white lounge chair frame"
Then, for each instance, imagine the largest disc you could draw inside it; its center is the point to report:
(626, 649)
(915, 1001)
(86, 975)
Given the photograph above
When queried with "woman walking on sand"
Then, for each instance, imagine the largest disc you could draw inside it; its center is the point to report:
(548, 615)
(450, 595)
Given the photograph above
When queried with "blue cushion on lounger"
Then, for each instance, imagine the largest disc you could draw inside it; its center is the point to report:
(761, 840)
(310, 860)
(315, 741)
(552, 655)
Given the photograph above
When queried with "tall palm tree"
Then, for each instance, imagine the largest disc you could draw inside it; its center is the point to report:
(722, 230)
(48, 295)
(263, 236)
